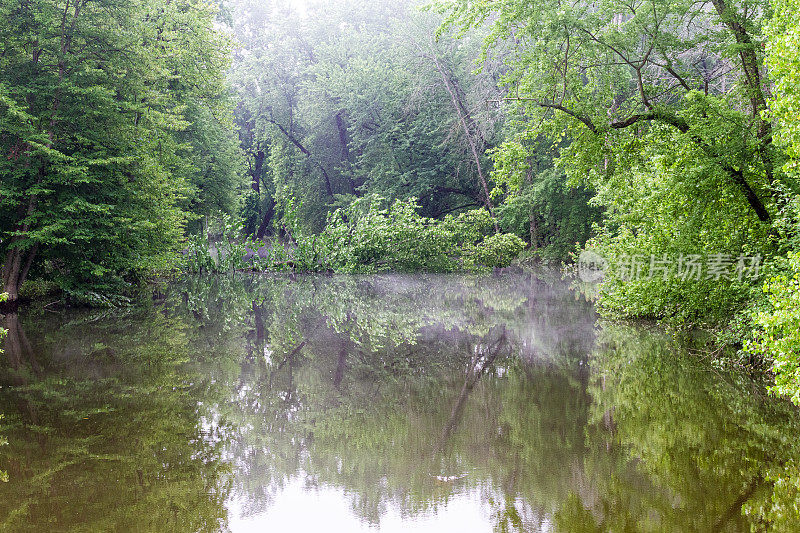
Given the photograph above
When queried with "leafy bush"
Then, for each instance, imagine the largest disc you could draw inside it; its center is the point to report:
(778, 336)
(39, 288)
(671, 200)
(223, 250)
(363, 237)
(368, 237)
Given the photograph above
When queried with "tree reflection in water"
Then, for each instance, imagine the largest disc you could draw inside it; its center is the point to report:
(402, 394)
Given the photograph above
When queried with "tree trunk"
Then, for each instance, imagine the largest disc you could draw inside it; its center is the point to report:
(264, 226)
(343, 140)
(289, 135)
(754, 84)
(255, 175)
(15, 270)
(466, 121)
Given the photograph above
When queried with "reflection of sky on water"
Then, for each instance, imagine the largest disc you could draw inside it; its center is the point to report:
(300, 508)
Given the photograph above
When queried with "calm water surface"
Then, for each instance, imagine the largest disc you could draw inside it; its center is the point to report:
(381, 403)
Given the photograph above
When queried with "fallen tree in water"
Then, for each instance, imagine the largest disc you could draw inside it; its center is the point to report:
(365, 237)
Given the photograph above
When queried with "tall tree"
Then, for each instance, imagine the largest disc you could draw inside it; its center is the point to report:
(93, 122)
(349, 101)
(659, 107)
(607, 70)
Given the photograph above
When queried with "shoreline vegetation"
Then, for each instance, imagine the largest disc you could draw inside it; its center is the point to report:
(365, 237)
(161, 137)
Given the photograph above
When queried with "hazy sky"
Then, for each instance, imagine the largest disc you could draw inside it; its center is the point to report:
(299, 5)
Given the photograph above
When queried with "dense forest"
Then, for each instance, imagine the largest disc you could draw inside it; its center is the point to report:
(145, 138)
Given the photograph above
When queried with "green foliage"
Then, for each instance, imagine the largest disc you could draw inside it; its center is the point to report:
(363, 237)
(219, 249)
(113, 128)
(367, 237)
(349, 99)
(679, 159)
(39, 288)
(673, 201)
(250, 211)
(537, 202)
(777, 337)
(214, 163)
(670, 203)
(783, 43)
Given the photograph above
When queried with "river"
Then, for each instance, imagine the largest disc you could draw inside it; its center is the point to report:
(379, 404)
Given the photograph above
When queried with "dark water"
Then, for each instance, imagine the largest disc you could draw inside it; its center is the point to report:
(386, 403)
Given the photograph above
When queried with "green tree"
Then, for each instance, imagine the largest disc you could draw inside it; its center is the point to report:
(783, 33)
(777, 335)
(93, 114)
(538, 202)
(348, 99)
(659, 108)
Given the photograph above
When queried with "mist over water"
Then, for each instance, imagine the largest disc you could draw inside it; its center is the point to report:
(375, 403)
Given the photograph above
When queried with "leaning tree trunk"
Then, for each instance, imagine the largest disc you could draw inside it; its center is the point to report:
(264, 226)
(466, 120)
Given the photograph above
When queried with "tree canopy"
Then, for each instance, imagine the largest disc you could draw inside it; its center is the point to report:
(113, 129)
